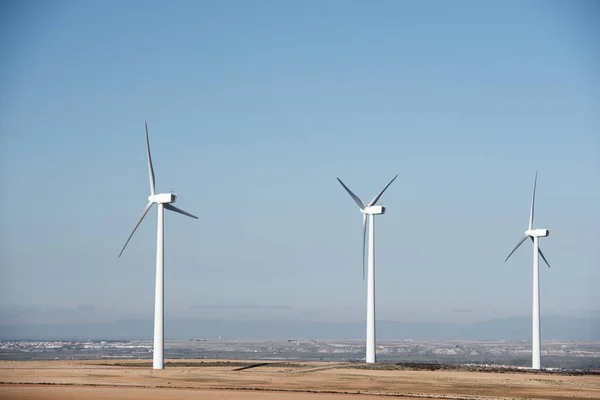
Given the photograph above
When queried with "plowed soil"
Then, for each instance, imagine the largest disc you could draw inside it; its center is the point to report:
(202, 379)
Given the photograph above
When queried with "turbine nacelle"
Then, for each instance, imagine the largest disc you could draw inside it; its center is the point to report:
(163, 198)
(373, 210)
(537, 232)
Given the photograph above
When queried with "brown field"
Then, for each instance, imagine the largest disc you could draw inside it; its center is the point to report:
(211, 380)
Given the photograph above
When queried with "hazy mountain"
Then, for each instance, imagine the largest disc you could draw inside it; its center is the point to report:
(516, 328)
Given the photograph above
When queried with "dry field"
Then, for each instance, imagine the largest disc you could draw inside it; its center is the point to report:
(211, 380)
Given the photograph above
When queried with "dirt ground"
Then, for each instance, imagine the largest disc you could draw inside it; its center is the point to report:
(202, 379)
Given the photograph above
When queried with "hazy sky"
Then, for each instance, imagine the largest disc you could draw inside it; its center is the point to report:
(254, 108)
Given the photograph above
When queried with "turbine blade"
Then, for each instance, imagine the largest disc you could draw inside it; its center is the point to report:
(376, 198)
(543, 258)
(364, 243)
(179, 210)
(150, 168)
(146, 209)
(355, 197)
(516, 247)
(531, 214)
(541, 254)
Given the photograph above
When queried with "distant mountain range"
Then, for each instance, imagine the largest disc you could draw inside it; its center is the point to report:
(515, 328)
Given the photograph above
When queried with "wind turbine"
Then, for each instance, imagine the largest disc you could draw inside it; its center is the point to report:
(369, 211)
(534, 235)
(163, 200)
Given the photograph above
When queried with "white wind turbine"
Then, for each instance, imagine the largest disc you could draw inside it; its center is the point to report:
(163, 200)
(534, 235)
(369, 211)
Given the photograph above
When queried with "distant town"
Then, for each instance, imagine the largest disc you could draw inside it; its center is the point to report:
(569, 355)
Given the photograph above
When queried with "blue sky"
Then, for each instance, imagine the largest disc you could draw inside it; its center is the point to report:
(254, 108)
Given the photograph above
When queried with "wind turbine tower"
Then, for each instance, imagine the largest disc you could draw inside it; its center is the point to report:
(534, 235)
(368, 216)
(163, 201)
